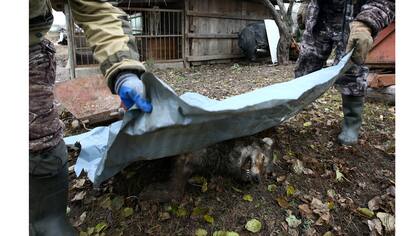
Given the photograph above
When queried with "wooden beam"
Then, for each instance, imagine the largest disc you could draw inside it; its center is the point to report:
(185, 30)
(212, 36)
(221, 16)
(214, 57)
(71, 44)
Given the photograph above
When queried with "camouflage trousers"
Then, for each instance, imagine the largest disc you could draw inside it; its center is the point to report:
(45, 127)
(315, 49)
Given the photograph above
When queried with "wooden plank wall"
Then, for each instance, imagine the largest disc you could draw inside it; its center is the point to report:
(212, 27)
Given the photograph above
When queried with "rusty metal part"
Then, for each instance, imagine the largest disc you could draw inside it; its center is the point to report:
(380, 80)
(88, 99)
(383, 49)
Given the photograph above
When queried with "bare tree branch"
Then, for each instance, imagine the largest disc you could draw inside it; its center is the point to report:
(280, 19)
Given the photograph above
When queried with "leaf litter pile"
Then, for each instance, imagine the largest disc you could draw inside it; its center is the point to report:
(318, 187)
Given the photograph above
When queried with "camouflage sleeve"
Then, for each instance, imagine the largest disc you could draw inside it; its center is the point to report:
(377, 14)
(109, 34)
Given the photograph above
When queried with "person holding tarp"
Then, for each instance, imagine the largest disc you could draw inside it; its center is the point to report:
(327, 25)
(108, 33)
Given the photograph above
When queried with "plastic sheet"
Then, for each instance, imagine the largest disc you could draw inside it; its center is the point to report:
(179, 124)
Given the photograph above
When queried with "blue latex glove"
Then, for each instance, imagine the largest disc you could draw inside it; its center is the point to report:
(131, 91)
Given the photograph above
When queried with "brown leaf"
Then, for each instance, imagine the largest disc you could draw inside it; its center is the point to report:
(164, 216)
(282, 202)
(281, 178)
(318, 207)
(388, 221)
(375, 225)
(374, 203)
(79, 196)
(308, 171)
(81, 219)
(391, 191)
(304, 210)
(298, 167)
(79, 183)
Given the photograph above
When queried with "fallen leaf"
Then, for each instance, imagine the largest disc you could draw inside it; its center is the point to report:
(79, 196)
(375, 225)
(281, 178)
(106, 203)
(331, 193)
(181, 212)
(326, 217)
(117, 203)
(100, 226)
(304, 210)
(366, 212)
(275, 157)
(200, 232)
(90, 230)
(298, 167)
(79, 183)
(330, 205)
(225, 233)
(292, 232)
(338, 175)
(292, 221)
(290, 190)
(208, 218)
(388, 221)
(282, 202)
(197, 211)
(318, 206)
(248, 197)
(164, 216)
(82, 233)
(308, 171)
(329, 233)
(81, 219)
(391, 191)
(128, 211)
(373, 204)
(307, 124)
(271, 187)
(253, 226)
(204, 187)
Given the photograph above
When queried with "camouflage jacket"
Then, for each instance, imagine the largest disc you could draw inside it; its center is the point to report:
(106, 28)
(375, 13)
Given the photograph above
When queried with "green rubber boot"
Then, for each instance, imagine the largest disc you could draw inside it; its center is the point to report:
(352, 110)
(48, 200)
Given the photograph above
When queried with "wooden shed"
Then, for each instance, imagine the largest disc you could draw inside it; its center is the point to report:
(180, 32)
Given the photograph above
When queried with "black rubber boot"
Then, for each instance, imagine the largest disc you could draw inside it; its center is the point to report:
(352, 110)
(48, 205)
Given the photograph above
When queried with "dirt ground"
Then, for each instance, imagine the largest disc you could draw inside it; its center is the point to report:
(316, 188)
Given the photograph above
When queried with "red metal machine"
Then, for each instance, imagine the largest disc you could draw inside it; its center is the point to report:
(381, 59)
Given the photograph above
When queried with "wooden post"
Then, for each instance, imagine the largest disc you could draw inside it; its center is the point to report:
(70, 36)
(185, 30)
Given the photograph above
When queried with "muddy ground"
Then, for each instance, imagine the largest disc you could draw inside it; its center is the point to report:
(307, 187)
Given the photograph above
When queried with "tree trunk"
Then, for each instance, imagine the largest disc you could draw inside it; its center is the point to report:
(289, 14)
(280, 19)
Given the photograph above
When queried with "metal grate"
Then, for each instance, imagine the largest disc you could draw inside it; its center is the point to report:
(158, 32)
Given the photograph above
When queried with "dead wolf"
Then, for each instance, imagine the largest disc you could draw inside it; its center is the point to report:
(234, 158)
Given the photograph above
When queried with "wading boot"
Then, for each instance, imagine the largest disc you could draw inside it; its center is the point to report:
(48, 202)
(352, 110)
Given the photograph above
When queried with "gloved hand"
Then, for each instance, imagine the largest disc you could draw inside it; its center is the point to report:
(131, 91)
(361, 40)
